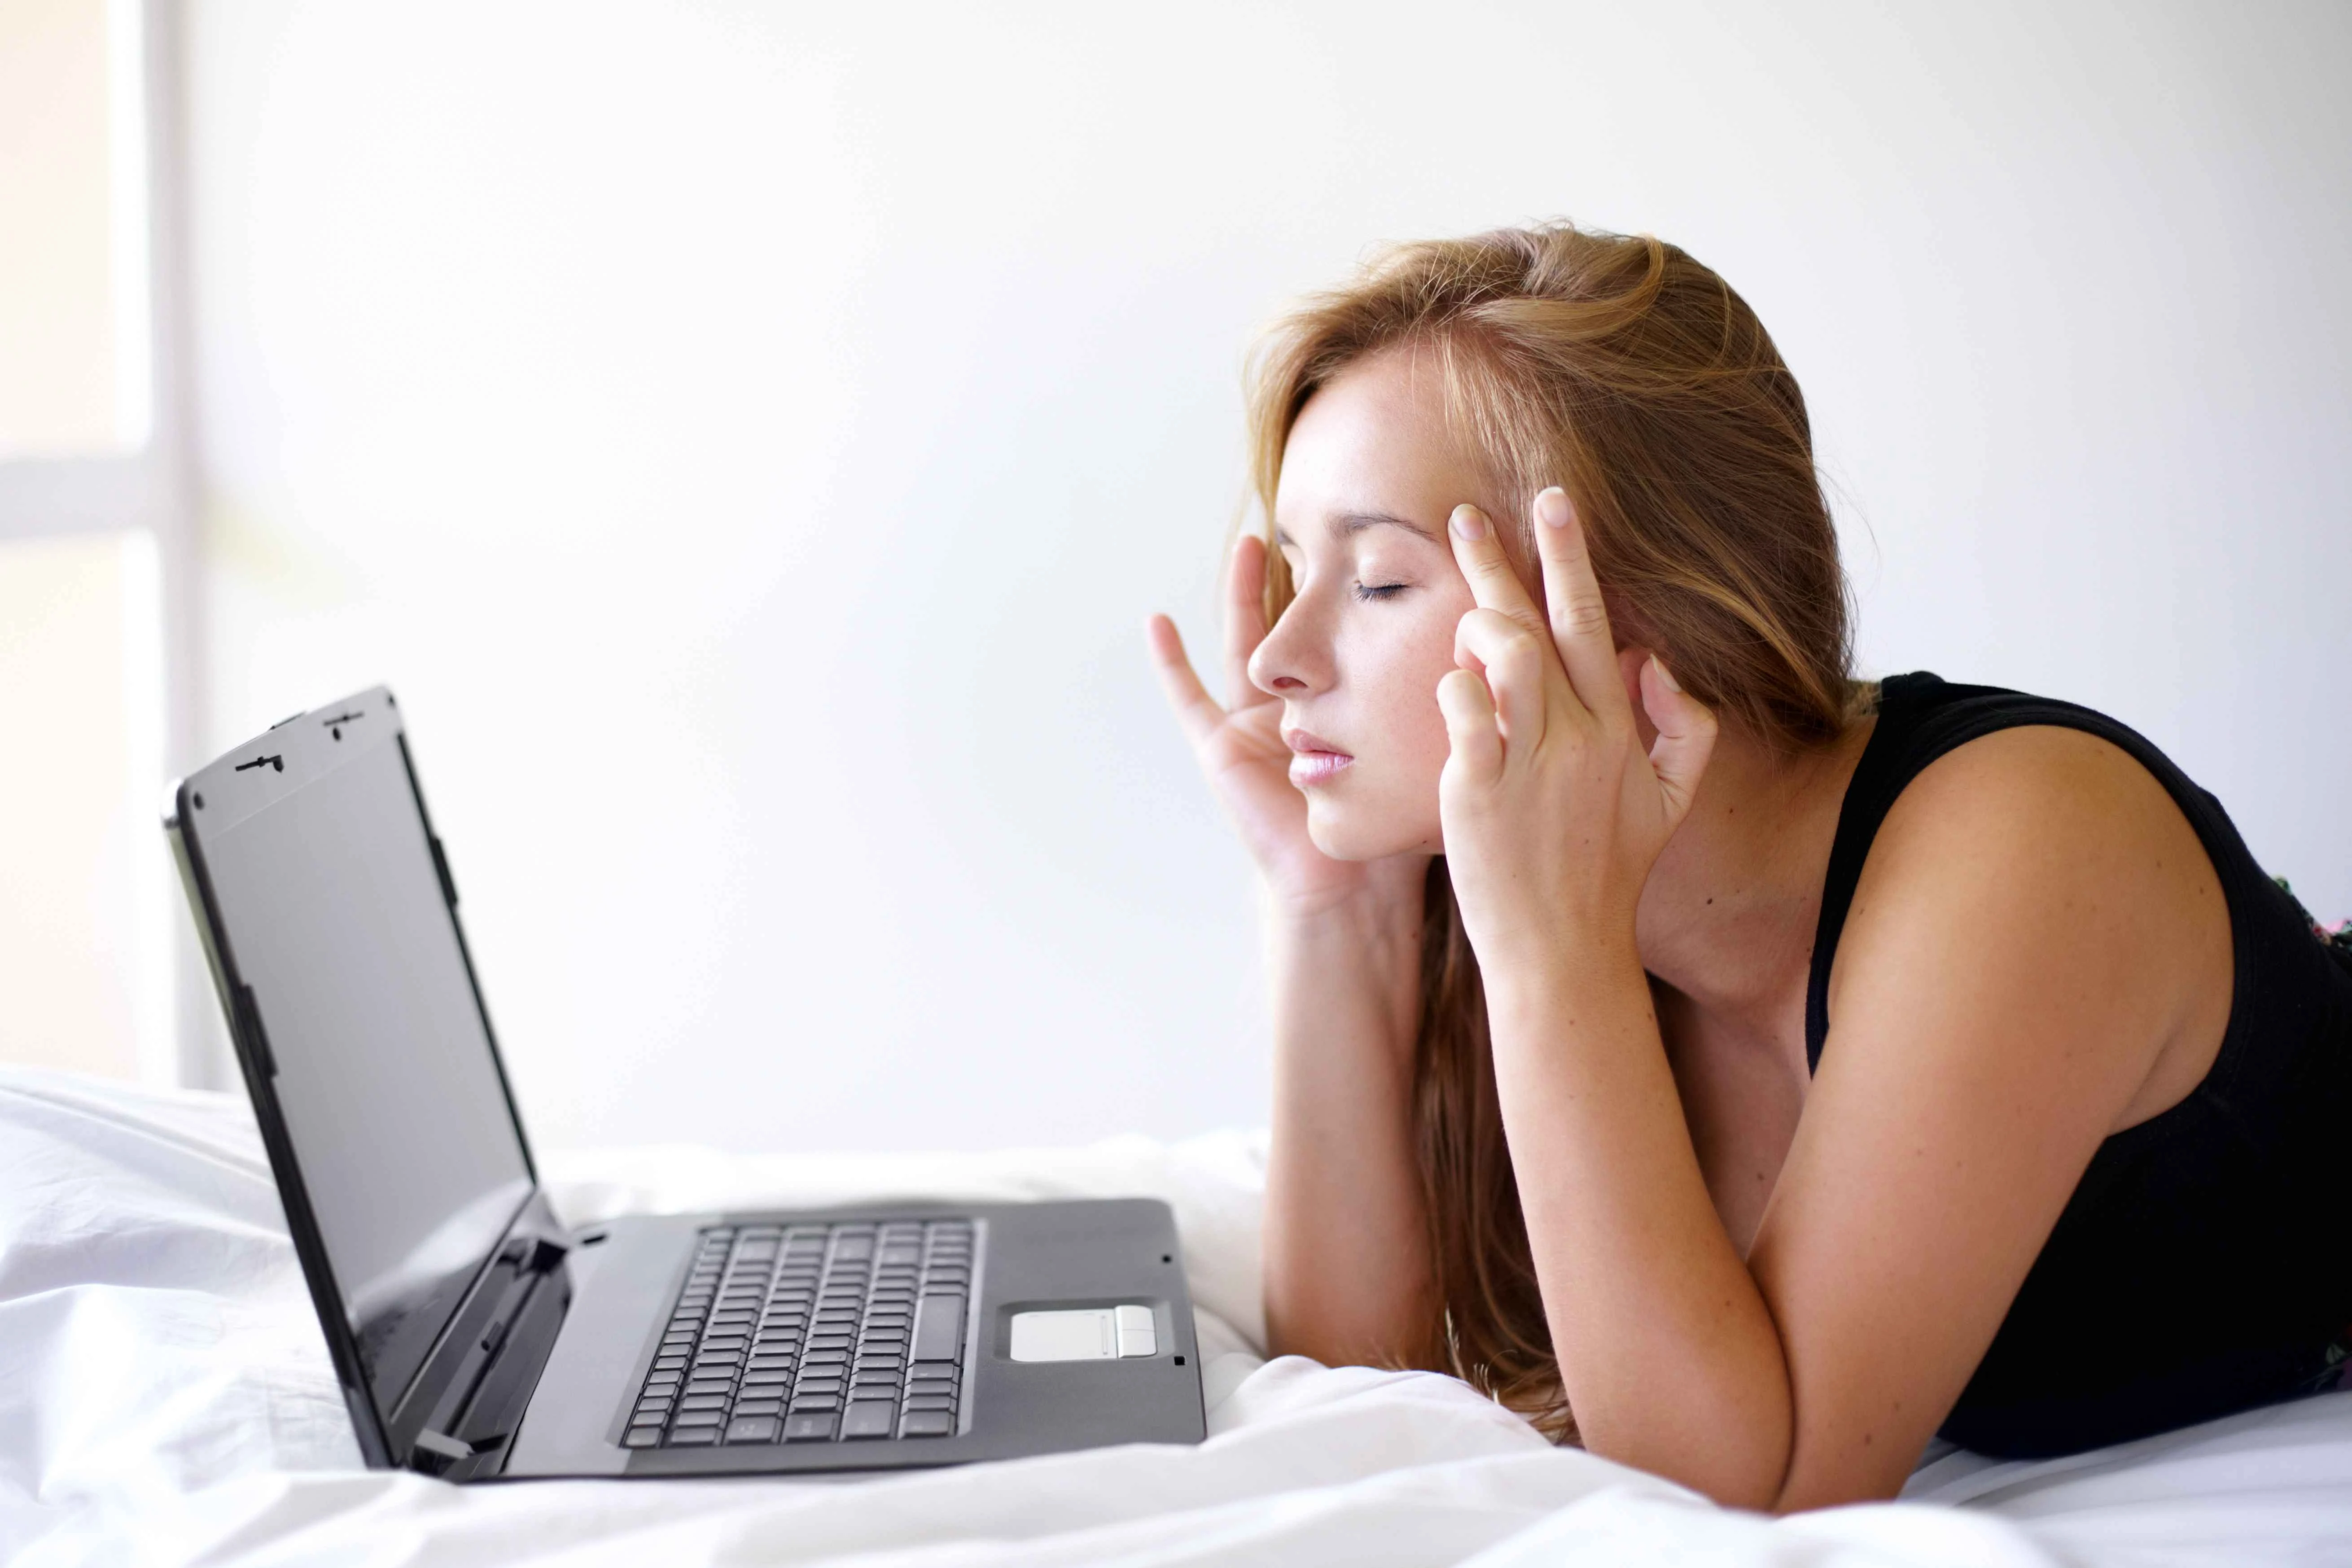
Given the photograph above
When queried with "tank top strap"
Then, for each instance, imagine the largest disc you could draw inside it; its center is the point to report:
(1921, 718)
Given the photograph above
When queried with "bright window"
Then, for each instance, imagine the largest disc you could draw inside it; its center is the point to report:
(87, 938)
(73, 295)
(83, 938)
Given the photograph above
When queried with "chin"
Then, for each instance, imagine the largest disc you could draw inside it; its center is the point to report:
(1344, 834)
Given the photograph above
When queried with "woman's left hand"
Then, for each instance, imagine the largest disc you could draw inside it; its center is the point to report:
(1553, 814)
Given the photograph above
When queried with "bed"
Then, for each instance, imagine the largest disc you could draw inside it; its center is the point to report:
(165, 1397)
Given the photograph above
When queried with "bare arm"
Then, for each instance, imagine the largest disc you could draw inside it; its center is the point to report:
(1347, 1274)
(2026, 936)
(1348, 1270)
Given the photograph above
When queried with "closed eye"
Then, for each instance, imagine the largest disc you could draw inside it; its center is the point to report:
(1373, 590)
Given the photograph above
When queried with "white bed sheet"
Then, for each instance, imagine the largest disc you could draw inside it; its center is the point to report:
(165, 1397)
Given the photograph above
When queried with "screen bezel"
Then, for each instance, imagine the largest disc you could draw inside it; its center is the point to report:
(301, 754)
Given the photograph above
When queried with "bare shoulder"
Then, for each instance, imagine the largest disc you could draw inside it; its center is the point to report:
(2060, 870)
(2072, 825)
(2033, 958)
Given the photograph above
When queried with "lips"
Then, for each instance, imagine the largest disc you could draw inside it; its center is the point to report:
(1318, 759)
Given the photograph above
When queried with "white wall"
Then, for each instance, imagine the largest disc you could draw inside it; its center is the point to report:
(749, 437)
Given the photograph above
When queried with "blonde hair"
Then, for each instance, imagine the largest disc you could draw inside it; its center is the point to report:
(1623, 369)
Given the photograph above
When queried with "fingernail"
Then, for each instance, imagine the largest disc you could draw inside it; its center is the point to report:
(1468, 523)
(1553, 508)
(1666, 675)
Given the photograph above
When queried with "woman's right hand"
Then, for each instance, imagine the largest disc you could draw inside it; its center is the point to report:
(1241, 749)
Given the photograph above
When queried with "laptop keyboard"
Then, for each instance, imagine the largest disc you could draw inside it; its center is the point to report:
(811, 1333)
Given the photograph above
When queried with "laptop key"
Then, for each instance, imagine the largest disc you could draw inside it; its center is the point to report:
(938, 1326)
(752, 1429)
(693, 1437)
(869, 1418)
(813, 1427)
(926, 1424)
(641, 1438)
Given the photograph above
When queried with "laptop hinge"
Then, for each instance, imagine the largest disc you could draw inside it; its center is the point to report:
(464, 1409)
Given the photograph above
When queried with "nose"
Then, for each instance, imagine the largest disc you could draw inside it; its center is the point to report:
(1293, 661)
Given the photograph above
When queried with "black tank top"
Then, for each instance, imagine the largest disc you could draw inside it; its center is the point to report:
(2203, 1264)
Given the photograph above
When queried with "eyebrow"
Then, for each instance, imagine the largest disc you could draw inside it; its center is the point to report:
(1348, 523)
(1342, 524)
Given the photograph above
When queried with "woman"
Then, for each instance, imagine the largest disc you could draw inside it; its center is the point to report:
(1748, 1071)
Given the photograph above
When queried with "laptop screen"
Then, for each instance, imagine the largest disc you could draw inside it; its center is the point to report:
(387, 1078)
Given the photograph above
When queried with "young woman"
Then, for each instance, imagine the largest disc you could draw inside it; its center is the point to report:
(1748, 1071)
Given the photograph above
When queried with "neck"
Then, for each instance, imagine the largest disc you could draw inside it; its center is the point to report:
(1727, 917)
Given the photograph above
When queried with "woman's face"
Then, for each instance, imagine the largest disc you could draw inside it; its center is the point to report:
(1368, 477)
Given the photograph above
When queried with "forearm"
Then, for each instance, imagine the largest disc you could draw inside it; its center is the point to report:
(1347, 1275)
(1667, 1349)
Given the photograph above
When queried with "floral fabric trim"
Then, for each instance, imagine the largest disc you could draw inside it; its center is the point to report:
(2341, 937)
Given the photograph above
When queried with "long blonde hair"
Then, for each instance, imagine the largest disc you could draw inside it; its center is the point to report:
(1626, 372)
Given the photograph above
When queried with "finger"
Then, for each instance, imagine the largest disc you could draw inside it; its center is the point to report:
(1579, 618)
(1196, 709)
(1244, 617)
(1470, 726)
(1478, 550)
(1511, 658)
(1687, 731)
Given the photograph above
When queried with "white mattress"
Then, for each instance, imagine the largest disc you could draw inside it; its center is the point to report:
(165, 1397)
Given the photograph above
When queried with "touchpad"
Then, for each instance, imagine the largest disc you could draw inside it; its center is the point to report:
(1084, 1333)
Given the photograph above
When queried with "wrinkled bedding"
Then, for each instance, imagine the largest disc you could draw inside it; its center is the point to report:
(165, 1397)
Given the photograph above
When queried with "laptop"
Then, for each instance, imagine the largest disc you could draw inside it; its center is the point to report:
(475, 1335)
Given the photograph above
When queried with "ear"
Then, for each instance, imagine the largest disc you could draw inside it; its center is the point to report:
(1630, 660)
